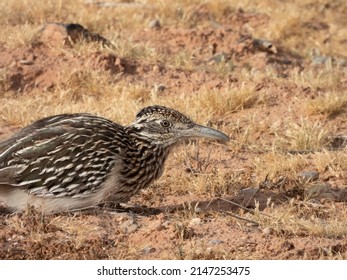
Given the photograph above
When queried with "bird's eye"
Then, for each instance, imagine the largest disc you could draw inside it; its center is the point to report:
(165, 123)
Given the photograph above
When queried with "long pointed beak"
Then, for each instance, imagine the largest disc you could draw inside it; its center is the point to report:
(206, 132)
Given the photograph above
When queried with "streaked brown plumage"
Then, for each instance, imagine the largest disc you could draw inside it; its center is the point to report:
(72, 161)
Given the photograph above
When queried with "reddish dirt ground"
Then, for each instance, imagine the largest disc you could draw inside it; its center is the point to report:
(169, 227)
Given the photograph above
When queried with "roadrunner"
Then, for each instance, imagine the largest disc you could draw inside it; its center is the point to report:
(74, 161)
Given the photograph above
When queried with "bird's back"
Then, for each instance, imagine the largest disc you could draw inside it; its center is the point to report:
(61, 156)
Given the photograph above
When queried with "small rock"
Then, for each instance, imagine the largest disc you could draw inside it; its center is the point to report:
(216, 241)
(156, 69)
(158, 225)
(147, 250)
(195, 222)
(161, 226)
(264, 45)
(154, 24)
(124, 4)
(287, 246)
(166, 224)
(132, 228)
(197, 209)
(26, 62)
(309, 175)
(251, 224)
(267, 231)
(129, 226)
(159, 88)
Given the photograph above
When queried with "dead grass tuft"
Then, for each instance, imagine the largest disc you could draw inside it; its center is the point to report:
(303, 136)
(231, 99)
(330, 104)
(276, 165)
(334, 162)
(304, 219)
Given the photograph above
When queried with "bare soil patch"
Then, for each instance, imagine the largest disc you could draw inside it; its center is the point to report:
(245, 200)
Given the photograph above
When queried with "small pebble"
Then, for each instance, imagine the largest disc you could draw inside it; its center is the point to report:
(264, 45)
(267, 231)
(156, 69)
(154, 24)
(26, 62)
(129, 226)
(148, 250)
(159, 88)
(309, 175)
(216, 241)
(166, 224)
(197, 209)
(195, 221)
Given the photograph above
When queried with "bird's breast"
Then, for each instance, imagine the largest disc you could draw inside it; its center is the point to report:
(140, 170)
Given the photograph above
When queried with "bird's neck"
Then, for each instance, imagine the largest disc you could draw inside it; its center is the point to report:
(143, 162)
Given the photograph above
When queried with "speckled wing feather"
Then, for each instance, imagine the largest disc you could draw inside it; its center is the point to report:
(65, 155)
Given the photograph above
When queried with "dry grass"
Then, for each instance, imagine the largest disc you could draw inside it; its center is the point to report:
(229, 100)
(330, 104)
(327, 79)
(276, 165)
(334, 162)
(315, 220)
(304, 135)
(267, 111)
(19, 35)
(69, 100)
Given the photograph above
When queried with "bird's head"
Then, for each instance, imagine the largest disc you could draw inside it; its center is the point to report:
(164, 126)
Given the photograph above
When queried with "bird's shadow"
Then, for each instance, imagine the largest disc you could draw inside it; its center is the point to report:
(247, 200)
